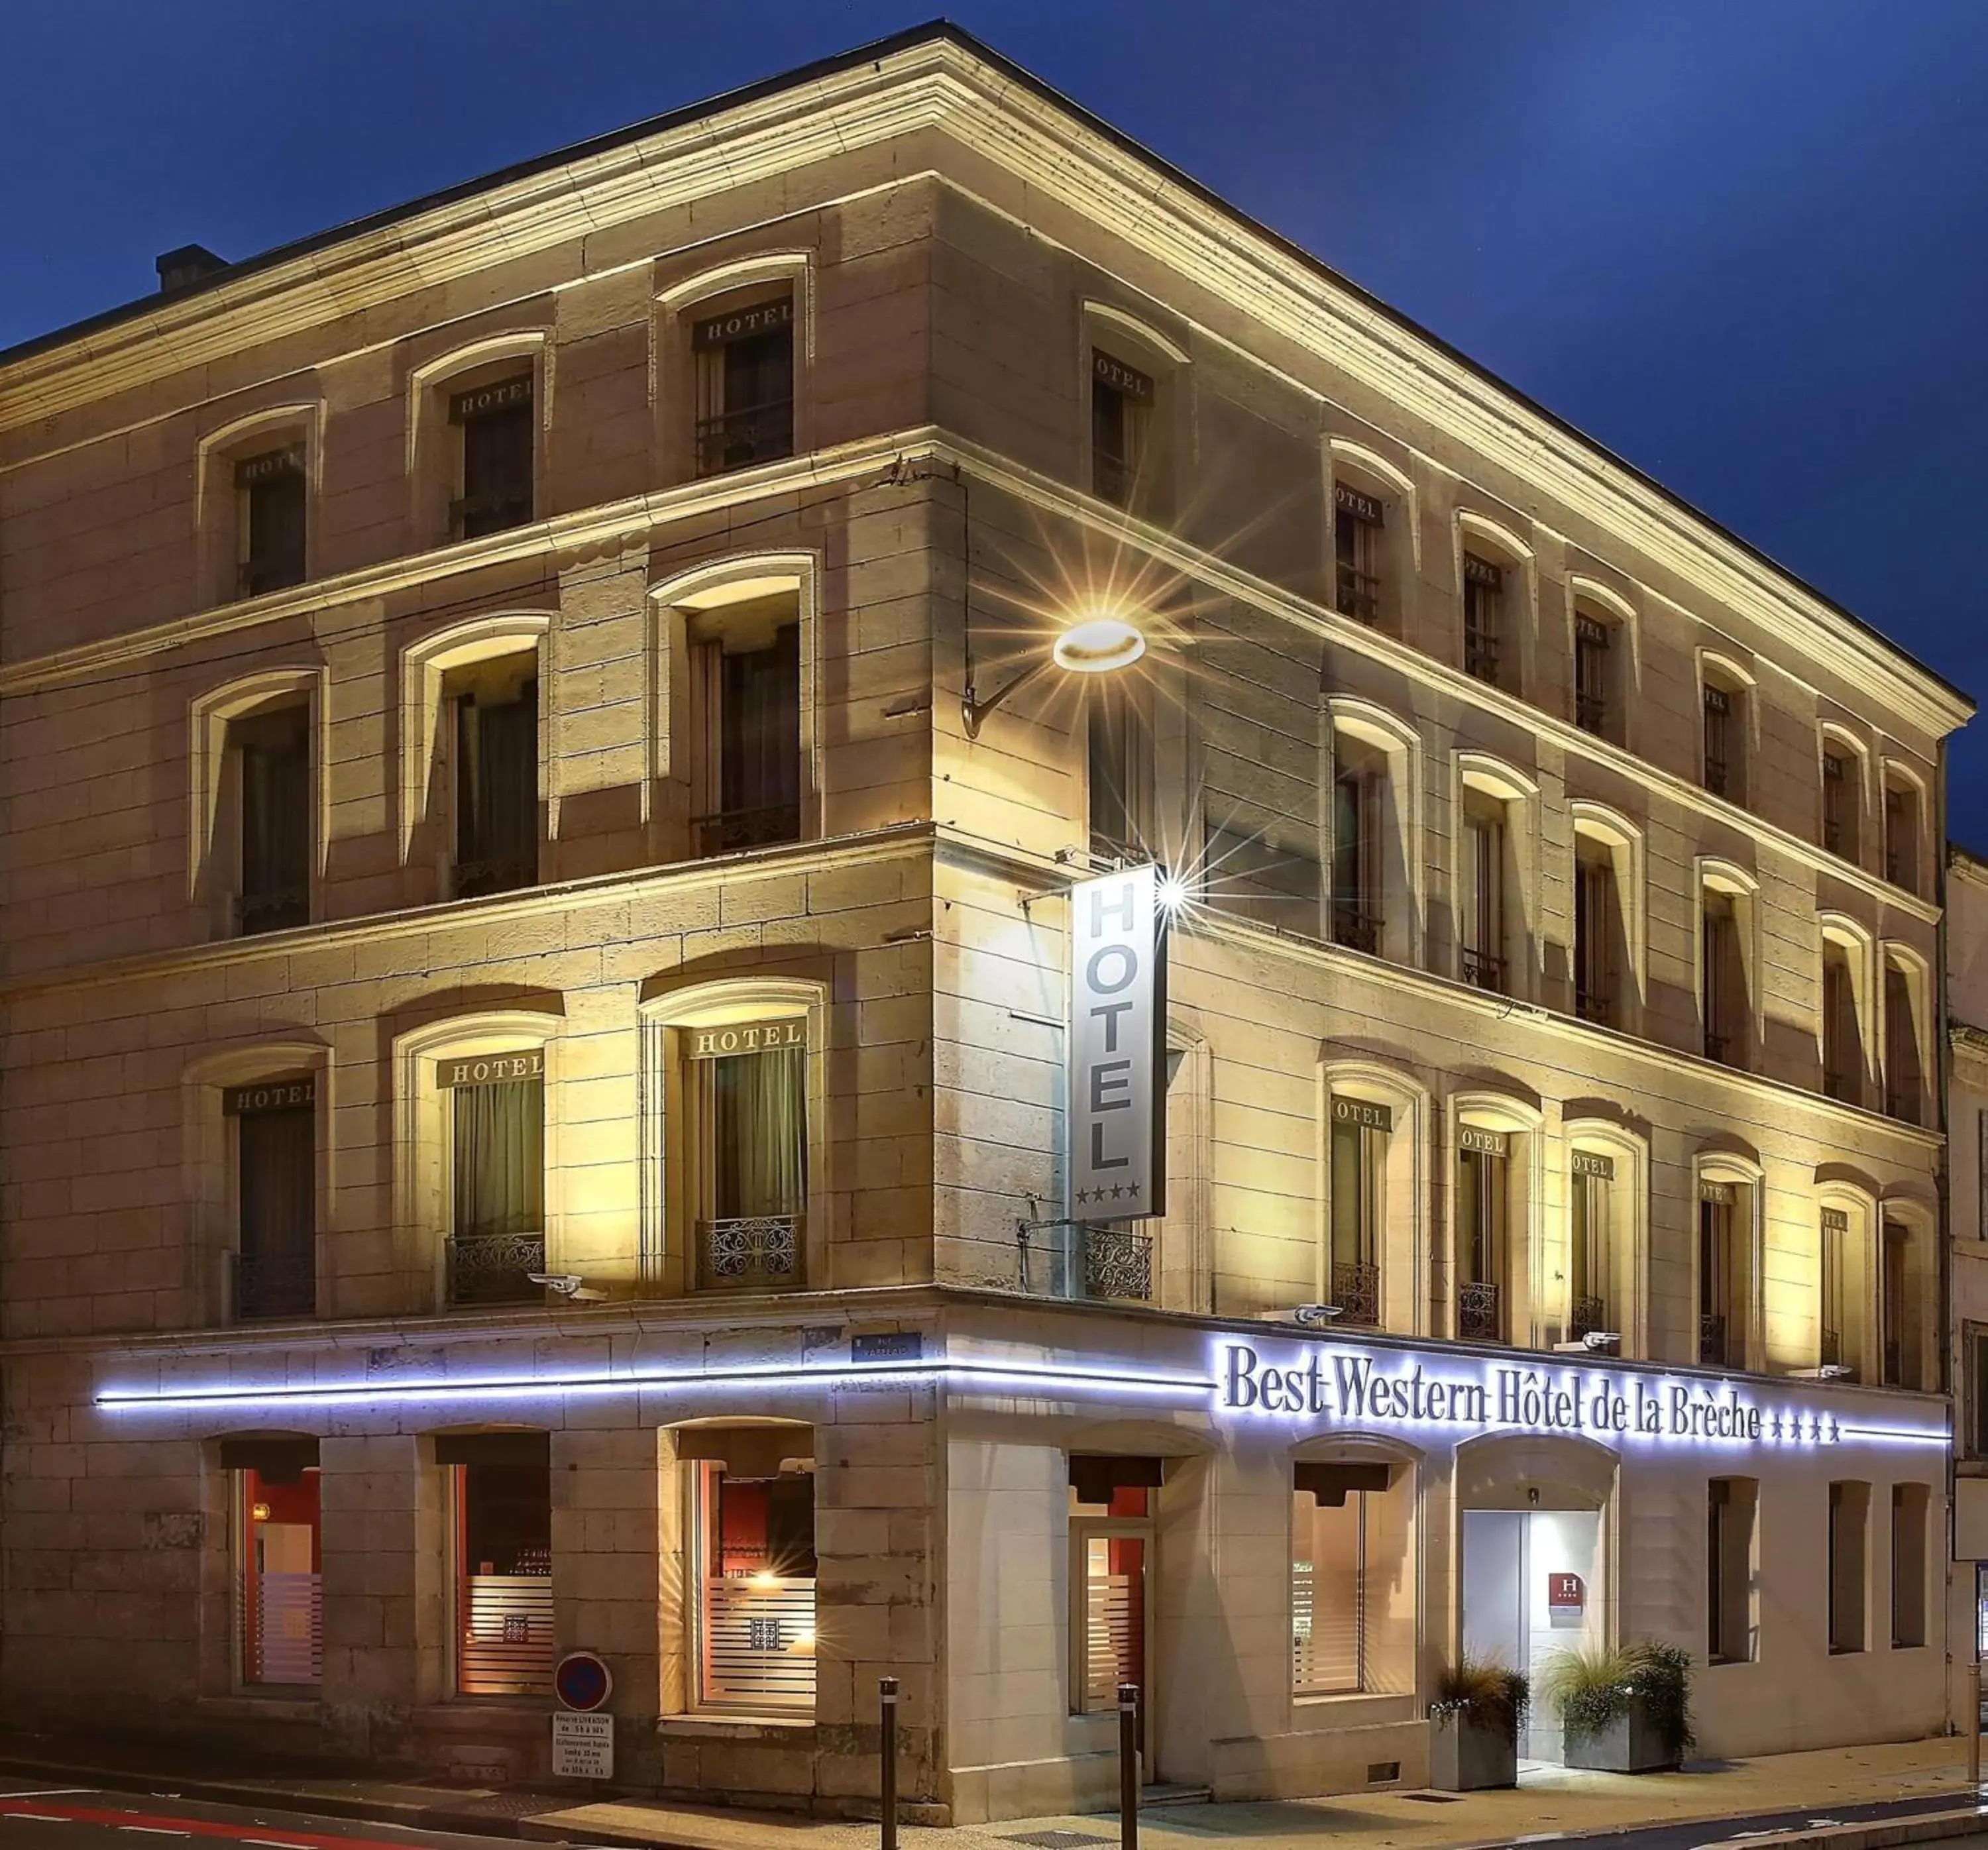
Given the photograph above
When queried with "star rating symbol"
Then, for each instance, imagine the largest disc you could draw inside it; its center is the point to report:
(1775, 1427)
(1118, 1193)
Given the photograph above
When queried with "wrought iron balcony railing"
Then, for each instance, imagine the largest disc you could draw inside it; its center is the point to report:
(1837, 1083)
(475, 516)
(496, 1268)
(498, 873)
(1712, 1341)
(1829, 1349)
(1482, 971)
(736, 440)
(1590, 1314)
(747, 1251)
(1356, 1289)
(1355, 927)
(1480, 655)
(1718, 1046)
(727, 831)
(1718, 777)
(1358, 594)
(1118, 1264)
(1480, 1316)
(1591, 1005)
(272, 912)
(275, 572)
(281, 1283)
(1590, 712)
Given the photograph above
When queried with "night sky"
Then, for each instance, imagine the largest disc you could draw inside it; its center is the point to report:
(1741, 242)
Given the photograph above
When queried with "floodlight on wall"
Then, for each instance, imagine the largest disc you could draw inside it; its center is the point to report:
(1099, 645)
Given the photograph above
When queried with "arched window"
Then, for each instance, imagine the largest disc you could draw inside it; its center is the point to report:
(1136, 385)
(257, 481)
(1727, 960)
(1844, 762)
(1373, 1265)
(1373, 535)
(1498, 593)
(476, 419)
(258, 814)
(1375, 893)
(1725, 698)
(1845, 1272)
(1610, 925)
(1846, 1008)
(1904, 1004)
(733, 647)
(1604, 656)
(1729, 1266)
(1908, 1336)
(734, 344)
(1904, 826)
(475, 803)
(476, 1167)
(1605, 1260)
(1494, 1257)
(733, 1136)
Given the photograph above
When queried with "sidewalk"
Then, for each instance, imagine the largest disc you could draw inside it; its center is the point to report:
(1553, 1802)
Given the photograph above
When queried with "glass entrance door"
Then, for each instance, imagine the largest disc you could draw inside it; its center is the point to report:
(1533, 1585)
(1112, 1562)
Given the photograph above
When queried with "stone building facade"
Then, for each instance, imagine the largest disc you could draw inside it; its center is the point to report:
(538, 833)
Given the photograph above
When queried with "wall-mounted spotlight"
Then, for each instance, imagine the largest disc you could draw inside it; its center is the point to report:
(1099, 645)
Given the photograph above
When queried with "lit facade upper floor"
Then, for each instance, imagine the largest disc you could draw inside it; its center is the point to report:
(547, 665)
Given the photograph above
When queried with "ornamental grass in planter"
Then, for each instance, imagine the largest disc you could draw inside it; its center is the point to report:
(1474, 1724)
(1625, 1709)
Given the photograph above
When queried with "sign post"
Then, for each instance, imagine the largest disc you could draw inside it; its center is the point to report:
(1115, 1119)
(582, 1734)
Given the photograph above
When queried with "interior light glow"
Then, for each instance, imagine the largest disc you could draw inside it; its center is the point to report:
(1099, 645)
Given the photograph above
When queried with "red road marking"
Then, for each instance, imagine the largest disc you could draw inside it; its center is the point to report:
(195, 1827)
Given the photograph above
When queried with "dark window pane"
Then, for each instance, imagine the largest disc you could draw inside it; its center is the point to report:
(497, 793)
(277, 1253)
(273, 551)
(496, 471)
(275, 768)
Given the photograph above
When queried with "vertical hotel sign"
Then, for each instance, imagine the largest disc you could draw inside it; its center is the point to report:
(1116, 1114)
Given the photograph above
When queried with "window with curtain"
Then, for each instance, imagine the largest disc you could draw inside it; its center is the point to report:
(750, 1103)
(275, 1256)
(1595, 924)
(1722, 763)
(1482, 1208)
(496, 421)
(1357, 527)
(1481, 903)
(1483, 617)
(1359, 784)
(496, 766)
(1591, 664)
(1840, 803)
(273, 775)
(270, 495)
(749, 694)
(1722, 978)
(1353, 1580)
(1358, 1154)
(1121, 407)
(744, 361)
(1591, 1248)
(496, 1178)
(1119, 772)
(1842, 1055)
(1833, 1300)
(1721, 1297)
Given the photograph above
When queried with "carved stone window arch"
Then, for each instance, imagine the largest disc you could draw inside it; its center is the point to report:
(1495, 1229)
(1845, 1269)
(1727, 960)
(1908, 1336)
(1906, 810)
(1603, 648)
(1372, 512)
(1843, 763)
(1729, 731)
(1609, 930)
(1846, 1038)
(1497, 580)
(1495, 878)
(1136, 432)
(278, 445)
(1729, 1261)
(682, 1248)
(1904, 1004)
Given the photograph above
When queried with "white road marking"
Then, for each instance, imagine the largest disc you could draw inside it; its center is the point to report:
(274, 1843)
(38, 1817)
(154, 1831)
(49, 1792)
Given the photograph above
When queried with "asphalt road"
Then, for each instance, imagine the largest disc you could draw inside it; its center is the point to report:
(82, 1817)
(1730, 1831)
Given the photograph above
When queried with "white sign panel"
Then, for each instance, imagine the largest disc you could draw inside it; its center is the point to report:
(1118, 1047)
(583, 1746)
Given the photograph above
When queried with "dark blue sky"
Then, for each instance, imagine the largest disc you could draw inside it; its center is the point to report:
(1740, 241)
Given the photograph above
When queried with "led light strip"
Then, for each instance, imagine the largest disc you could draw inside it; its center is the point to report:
(392, 1392)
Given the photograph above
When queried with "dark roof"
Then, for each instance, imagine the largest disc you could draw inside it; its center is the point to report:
(876, 50)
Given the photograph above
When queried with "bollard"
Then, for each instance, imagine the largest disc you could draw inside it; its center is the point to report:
(887, 1699)
(1128, 1767)
(1974, 1726)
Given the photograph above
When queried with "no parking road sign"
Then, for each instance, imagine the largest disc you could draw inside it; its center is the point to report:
(583, 1739)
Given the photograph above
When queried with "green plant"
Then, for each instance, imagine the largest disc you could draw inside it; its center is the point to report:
(1590, 1686)
(1483, 1692)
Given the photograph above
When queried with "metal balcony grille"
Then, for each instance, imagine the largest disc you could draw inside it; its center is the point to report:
(1591, 1004)
(1356, 927)
(736, 440)
(273, 912)
(1118, 1264)
(281, 1283)
(496, 1269)
(1894, 1362)
(276, 572)
(1836, 1085)
(1479, 1313)
(1712, 1340)
(1829, 1350)
(1482, 971)
(728, 831)
(1718, 1046)
(1111, 477)
(1358, 594)
(748, 1250)
(1356, 1289)
(504, 875)
(1480, 655)
(1716, 775)
(1590, 712)
(1590, 1314)
(475, 516)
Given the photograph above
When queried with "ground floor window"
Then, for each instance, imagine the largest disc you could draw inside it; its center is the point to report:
(500, 1506)
(1849, 1528)
(1910, 1503)
(1353, 1580)
(1729, 1507)
(279, 1589)
(754, 1571)
(1112, 1543)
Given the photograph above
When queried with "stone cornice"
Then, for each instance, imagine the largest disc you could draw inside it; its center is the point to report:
(939, 82)
(560, 899)
(1857, 1127)
(613, 523)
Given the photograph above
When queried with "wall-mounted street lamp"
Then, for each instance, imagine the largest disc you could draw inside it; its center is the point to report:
(1099, 645)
